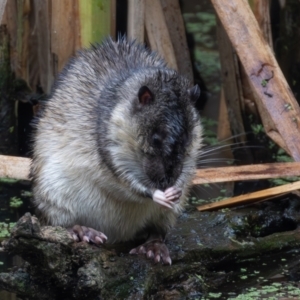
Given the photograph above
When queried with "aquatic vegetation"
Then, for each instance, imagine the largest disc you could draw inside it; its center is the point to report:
(15, 202)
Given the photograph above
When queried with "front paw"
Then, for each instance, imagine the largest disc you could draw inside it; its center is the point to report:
(167, 198)
(154, 249)
(173, 194)
(87, 234)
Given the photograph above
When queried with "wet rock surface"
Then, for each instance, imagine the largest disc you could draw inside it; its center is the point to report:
(208, 250)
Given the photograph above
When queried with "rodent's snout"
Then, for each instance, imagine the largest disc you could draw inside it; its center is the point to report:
(161, 171)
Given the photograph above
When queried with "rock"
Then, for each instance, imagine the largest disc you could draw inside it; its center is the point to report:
(58, 268)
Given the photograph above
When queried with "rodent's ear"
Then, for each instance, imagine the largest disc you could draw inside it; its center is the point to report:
(194, 93)
(145, 95)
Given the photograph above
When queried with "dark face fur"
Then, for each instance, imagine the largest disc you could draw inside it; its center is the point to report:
(165, 135)
(164, 164)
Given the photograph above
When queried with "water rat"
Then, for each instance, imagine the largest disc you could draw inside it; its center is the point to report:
(116, 146)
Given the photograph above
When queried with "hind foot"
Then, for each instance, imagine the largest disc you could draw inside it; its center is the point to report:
(154, 249)
(87, 234)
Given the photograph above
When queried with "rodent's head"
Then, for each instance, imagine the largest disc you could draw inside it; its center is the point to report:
(166, 125)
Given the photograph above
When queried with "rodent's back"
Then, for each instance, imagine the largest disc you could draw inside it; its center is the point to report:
(91, 76)
(122, 55)
(113, 59)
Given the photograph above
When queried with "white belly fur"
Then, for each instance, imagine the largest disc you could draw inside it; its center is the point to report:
(82, 200)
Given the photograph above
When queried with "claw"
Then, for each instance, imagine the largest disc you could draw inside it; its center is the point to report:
(157, 258)
(133, 251)
(87, 234)
(154, 249)
(150, 254)
(168, 261)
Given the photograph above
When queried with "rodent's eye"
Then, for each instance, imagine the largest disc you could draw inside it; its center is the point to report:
(156, 140)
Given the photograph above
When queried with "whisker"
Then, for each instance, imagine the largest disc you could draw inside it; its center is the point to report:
(211, 149)
(247, 147)
(216, 160)
(221, 148)
(233, 137)
(206, 191)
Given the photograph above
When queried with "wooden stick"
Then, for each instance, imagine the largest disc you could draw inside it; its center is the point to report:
(157, 32)
(251, 197)
(247, 172)
(261, 10)
(2, 8)
(231, 83)
(136, 20)
(18, 168)
(95, 19)
(224, 134)
(173, 15)
(66, 32)
(42, 52)
(14, 167)
(113, 19)
(263, 72)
